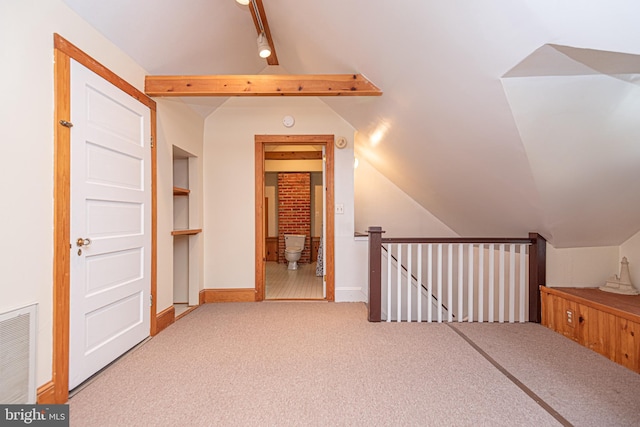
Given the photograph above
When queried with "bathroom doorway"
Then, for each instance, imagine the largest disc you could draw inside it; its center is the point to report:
(302, 164)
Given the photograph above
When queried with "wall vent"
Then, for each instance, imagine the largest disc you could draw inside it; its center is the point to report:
(18, 356)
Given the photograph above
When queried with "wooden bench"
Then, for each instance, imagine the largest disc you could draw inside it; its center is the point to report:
(605, 322)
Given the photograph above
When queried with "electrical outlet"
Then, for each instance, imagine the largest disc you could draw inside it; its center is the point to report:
(570, 318)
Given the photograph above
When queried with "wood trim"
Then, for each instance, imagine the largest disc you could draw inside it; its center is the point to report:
(374, 272)
(471, 240)
(61, 226)
(262, 85)
(64, 51)
(186, 232)
(78, 55)
(184, 313)
(329, 246)
(165, 318)
(46, 394)
(227, 295)
(295, 139)
(293, 155)
(154, 329)
(273, 58)
(260, 210)
(537, 275)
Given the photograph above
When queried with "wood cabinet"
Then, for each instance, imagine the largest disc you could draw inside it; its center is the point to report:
(272, 249)
(315, 244)
(604, 322)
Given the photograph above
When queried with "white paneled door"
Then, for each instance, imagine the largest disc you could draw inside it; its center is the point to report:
(110, 223)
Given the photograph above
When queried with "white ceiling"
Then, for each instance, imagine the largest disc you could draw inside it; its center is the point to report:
(499, 116)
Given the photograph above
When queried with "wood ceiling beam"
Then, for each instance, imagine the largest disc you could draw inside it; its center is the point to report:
(261, 85)
(273, 58)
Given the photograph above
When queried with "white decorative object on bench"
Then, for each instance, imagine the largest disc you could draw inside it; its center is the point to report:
(621, 284)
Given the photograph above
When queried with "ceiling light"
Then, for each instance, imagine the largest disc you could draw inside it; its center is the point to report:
(264, 50)
(243, 2)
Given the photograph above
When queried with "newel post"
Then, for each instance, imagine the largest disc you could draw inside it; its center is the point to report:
(375, 273)
(537, 275)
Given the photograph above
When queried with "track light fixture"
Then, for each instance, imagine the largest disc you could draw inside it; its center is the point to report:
(264, 50)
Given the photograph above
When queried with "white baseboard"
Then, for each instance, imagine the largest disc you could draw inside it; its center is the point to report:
(350, 294)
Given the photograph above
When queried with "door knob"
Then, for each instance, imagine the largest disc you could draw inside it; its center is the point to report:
(83, 242)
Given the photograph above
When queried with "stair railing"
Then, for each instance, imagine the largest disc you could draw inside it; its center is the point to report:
(495, 279)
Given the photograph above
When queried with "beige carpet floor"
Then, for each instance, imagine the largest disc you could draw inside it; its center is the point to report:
(323, 364)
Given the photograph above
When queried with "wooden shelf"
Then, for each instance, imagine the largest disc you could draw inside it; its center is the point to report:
(177, 191)
(186, 232)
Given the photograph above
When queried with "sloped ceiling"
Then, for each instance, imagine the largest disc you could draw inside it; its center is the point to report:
(500, 117)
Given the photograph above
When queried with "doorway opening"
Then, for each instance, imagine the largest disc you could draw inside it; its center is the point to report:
(303, 164)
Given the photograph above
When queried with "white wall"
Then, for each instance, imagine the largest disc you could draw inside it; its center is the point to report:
(229, 169)
(581, 267)
(26, 151)
(379, 202)
(591, 267)
(631, 250)
(178, 125)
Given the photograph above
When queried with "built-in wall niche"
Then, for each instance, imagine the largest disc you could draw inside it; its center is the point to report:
(186, 230)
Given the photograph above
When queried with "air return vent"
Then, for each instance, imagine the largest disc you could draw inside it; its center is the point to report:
(17, 356)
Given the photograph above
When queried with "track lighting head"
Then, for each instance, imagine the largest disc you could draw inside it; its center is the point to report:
(264, 50)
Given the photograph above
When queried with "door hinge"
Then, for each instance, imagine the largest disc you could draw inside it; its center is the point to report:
(150, 300)
(152, 141)
(66, 123)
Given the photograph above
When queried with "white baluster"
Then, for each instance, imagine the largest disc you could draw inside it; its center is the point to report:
(512, 283)
(501, 286)
(429, 282)
(450, 283)
(399, 284)
(481, 283)
(409, 281)
(470, 284)
(389, 248)
(419, 286)
(492, 283)
(523, 285)
(460, 280)
(439, 283)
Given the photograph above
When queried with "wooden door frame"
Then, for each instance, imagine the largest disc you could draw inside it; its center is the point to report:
(57, 390)
(328, 247)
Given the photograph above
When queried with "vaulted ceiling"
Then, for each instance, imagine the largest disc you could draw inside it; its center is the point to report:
(500, 116)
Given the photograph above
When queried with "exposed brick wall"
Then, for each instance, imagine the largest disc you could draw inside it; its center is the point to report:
(294, 211)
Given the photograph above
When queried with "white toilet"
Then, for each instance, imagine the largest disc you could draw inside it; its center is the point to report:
(293, 245)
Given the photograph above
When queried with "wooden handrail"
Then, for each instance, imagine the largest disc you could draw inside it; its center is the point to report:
(474, 240)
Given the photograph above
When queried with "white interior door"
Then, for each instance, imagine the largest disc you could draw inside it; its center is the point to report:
(110, 223)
